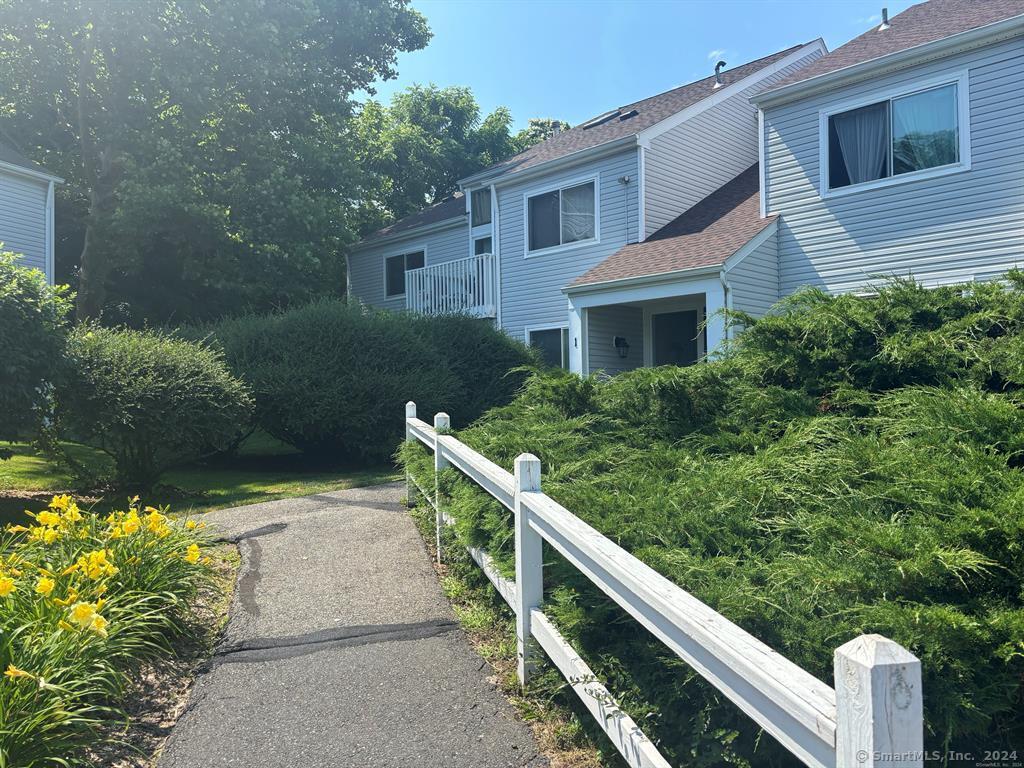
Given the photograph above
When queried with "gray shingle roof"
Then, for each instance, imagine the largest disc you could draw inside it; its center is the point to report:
(9, 154)
(704, 236)
(649, 111)
(450, 208)
(919, 24)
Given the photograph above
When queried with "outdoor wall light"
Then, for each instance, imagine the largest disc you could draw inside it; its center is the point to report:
(621, 345)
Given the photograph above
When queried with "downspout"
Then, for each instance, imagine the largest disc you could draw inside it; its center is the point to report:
(51, 268)
(727, 291)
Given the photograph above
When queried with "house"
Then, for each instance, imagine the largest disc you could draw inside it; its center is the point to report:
(901, 152)
(610, 244)
(26, 210)
(520, 232)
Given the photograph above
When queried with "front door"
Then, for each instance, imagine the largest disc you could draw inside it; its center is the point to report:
(675, 337)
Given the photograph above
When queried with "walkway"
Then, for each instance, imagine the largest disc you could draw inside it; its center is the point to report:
(342, 651)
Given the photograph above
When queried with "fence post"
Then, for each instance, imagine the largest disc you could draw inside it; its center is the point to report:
(879, 716)
(441, 422)
(529, 564)
(410, 413)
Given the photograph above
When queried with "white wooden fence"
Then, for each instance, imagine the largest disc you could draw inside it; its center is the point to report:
(872, 718)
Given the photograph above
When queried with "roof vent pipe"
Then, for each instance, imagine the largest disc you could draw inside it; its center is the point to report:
(718, 74)
(885, 20)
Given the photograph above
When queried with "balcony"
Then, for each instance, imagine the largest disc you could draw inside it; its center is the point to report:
(464, 286)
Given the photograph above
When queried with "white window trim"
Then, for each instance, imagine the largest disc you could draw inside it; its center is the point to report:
(527, 330)
(960, 78)
(393, 254)
(533, 192)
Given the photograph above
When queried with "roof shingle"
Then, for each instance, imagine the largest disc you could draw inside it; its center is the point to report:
(919, 24)
(704, 236)
(450, 208)
(649, 111)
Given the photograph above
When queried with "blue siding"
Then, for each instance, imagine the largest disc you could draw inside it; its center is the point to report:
(531, 288)
(604, 324)
(366, 266)
(946, 229)
(686, 164)
(23, 218)
(755, 280)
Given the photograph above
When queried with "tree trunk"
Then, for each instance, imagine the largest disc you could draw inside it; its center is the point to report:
(92, 278)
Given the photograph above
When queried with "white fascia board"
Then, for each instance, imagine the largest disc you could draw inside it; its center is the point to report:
(646, 136)
(408, 234)
(501, 177)
(751, 245)
(947, 46)
(21, 170)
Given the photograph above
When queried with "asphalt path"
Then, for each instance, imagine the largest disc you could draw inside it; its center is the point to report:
(341, 651)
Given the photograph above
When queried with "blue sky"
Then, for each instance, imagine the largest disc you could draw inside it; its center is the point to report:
(573, 59)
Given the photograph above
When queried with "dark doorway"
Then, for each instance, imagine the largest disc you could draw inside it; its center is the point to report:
(675, 337)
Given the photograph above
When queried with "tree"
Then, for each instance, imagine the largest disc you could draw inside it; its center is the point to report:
(426, 140)
(538, 129)
(205, 145)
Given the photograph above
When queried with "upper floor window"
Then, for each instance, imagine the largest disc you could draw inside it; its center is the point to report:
(395, 268)
(480, 205)
(896, 136)
(561, 216)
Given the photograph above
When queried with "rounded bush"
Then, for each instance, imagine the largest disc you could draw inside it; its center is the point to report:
(32, 331)
(332, 378)
(148, 400)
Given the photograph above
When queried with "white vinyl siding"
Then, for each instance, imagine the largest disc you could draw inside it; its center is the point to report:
(531, 288)
(23, 218)
(366, 266)
(605, 323)
(755, 280)
(950, 228)
(689, 162)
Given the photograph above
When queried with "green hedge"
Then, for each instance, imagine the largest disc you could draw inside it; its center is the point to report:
(332, 378)
(852, 466)
(148, 400)
(32, 329)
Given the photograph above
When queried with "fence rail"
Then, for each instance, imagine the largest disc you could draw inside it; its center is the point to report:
(465, 286)
(872, 718)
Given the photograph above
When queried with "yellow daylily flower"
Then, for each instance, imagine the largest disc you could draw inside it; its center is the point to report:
(192, 554)
(49, 519)
(7, 586)
(99, 625)
(14, 673)
(190, 525)
(45, 585)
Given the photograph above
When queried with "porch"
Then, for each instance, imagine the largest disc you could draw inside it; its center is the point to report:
(461, 286)
(646, 325)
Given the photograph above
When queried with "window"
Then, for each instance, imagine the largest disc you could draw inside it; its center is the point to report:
(482, 245)
(893, 137)
(561, 216)
(480, 204)
(553, 345)
(395, 268)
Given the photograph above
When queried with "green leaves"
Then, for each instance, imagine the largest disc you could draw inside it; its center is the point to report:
(853, 465)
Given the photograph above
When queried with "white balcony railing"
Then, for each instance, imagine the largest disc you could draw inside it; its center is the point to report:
(464, 286)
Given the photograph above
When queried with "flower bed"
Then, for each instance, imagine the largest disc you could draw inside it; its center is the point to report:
(84, 600)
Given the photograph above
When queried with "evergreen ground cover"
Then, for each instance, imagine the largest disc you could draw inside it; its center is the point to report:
(850, 465)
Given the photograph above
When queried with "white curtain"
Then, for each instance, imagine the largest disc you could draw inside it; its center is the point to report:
(578, 213)
(864, 138)
(924, 128)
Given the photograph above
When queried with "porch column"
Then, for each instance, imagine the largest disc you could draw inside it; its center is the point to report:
(714, 302)
(577, 339)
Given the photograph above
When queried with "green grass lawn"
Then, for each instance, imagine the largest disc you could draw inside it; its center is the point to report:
(263, 470)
